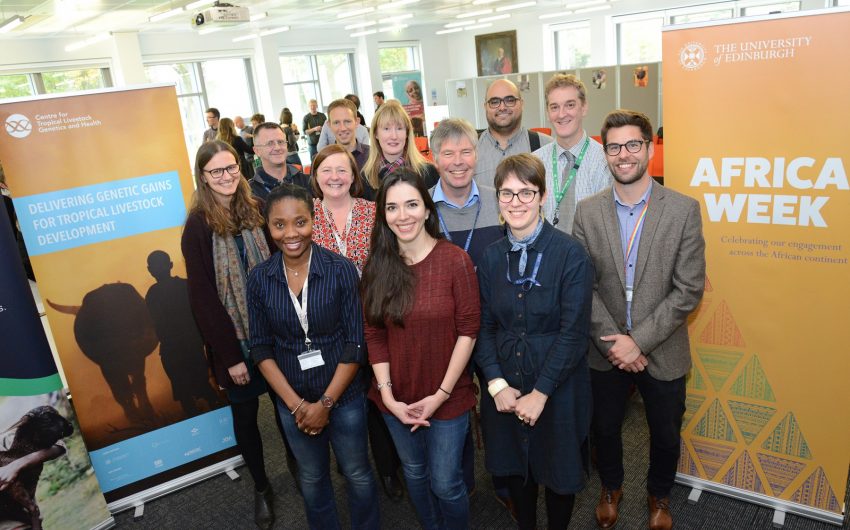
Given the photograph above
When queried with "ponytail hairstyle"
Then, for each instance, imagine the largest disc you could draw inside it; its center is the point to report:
(388, 282)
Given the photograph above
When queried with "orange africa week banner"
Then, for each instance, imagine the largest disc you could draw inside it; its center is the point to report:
(755, 113)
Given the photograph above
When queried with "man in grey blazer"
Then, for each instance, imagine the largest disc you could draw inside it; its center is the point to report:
(648, 250)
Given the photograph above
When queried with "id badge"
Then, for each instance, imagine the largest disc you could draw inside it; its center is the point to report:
(629, 294)
(311, 359)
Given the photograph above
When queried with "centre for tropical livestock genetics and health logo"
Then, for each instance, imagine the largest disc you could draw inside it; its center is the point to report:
(692, 56)
(18, 126)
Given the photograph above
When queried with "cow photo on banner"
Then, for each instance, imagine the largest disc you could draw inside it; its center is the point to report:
(103, 235)
(755, 114)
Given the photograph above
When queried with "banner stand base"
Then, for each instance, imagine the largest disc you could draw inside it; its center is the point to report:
(138, 500)
(234, 476)
(779, 505)
(693, 497)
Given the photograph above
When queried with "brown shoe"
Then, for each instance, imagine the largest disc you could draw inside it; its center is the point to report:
(606, 510)
(659, 514)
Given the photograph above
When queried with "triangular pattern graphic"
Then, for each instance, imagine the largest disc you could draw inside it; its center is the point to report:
(695, 380)
(718, 365)
(687, 465)
(722, 330)
(753, 383)
(779, 471)
(712, 455)
(692, 404)
(750, 418)
(743, 475)
(708, 287)
(714, 424)
(788, 439)
(816, 491)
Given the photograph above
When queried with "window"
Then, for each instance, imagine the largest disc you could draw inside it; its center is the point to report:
(401, 59)
(396, 59)
(53, 82)
(572, 45)
(769, 9)
(222, 83)
(702, 16)
(15, 86)
(323, 77)
(639, 41)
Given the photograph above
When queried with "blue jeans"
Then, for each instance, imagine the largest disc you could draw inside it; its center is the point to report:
(431, 458)
(346, 433)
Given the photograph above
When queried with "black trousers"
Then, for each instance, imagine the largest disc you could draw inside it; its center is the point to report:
(383, 450)
(559, 508)
(664, 402)
(250, 441)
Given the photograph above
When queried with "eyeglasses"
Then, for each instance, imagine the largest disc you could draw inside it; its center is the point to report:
(525, 196)
(218, 172)
(509, 101)
(272, 144)
(632, 146)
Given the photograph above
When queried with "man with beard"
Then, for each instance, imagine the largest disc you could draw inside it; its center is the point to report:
(505, 135)
(648, 251)
(575, 163)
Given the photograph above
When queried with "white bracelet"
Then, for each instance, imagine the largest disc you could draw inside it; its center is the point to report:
(497, 386)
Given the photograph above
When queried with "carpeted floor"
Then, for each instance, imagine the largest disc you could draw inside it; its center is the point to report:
(220, 503)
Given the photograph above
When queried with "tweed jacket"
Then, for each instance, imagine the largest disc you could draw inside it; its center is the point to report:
(669, 278)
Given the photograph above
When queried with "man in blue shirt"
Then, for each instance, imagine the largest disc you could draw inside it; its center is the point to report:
(647, 248)
(468, 218)
(270, 146)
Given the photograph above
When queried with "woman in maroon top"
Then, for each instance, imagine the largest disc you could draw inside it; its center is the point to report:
(422, 313)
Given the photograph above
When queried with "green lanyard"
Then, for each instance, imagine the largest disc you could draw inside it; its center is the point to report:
(560, 191)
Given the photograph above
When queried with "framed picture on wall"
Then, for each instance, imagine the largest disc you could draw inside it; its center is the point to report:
(496, 53)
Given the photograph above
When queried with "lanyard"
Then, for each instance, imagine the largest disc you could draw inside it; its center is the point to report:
(471, 230)
(301, 307)
(638, 224)
(528, 282)
(340, 240)
(560, 191)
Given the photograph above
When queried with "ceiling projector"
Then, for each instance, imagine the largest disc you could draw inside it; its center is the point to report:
(222, 15)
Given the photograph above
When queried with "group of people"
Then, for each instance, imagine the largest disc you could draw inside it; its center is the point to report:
(365, 298)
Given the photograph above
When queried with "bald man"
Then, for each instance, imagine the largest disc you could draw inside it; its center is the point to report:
(505, 135)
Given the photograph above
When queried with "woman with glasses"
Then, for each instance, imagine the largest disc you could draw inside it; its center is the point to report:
(227, 134)
(343, 224)
(222, 240)
(536, 287)
(306, 326)
(422, 315)
(392, 147)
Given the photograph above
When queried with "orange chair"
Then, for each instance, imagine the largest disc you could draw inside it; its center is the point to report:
(597, 138)
(306, 170)
(422, 147)
(545, 130)
(656, 165)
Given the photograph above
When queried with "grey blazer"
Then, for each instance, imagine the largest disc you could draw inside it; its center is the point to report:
(669, 278)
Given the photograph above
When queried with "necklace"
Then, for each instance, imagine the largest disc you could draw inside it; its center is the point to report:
(290, 269)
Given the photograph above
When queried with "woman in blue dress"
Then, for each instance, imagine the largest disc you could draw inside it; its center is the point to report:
(536, 288)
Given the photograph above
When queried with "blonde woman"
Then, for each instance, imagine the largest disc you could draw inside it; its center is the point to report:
(392, 147)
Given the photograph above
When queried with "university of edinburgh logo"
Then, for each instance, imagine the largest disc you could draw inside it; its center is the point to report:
(692, 56)
(18, 126)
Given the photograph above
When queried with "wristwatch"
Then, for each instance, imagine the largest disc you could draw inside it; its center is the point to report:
(327, 401)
